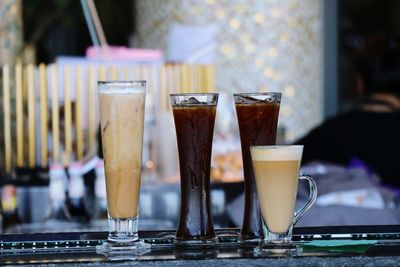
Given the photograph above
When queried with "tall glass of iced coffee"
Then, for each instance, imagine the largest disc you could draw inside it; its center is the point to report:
(194, 116)
(257, 115)
(122, 116)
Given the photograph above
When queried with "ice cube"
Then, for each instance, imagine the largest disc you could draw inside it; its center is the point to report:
(245, 99)
(191, 100)
(250, 99)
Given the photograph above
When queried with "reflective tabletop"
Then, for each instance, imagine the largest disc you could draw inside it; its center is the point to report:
(80, 247)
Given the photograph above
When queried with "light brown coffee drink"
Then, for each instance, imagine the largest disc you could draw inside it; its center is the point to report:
(122, 113)
(277, 175)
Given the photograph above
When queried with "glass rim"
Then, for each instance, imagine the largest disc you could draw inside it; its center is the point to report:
(195, 94)
(277, 147)
(258, 93)
(203, 99)
(276, 152)
(122, 82)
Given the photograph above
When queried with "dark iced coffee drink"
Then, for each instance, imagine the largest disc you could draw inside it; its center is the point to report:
(257, 115)
(194, 116)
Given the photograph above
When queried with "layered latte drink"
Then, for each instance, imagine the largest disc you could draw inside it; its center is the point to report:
(276, 171)
(277, 174)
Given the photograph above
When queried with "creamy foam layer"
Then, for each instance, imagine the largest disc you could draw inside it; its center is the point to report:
(122, 87)
(276, 153)
(108, 90)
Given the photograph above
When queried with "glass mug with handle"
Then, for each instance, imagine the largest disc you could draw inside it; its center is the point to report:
(276, 170)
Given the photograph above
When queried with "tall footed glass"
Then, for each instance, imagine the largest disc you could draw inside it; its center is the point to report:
(122, 116)
(257, 115)
(194, 116)
(276, 170)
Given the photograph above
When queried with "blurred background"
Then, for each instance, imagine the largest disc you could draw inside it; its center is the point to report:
(51, 59)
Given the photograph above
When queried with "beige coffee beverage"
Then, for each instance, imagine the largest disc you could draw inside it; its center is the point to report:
(122, 113)
(276, 171)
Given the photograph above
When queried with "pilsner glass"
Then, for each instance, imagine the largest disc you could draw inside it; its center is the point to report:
(194, 116)
(276, 170)
(122, 117)
(257, 115)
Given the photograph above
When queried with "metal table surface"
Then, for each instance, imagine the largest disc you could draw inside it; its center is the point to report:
(79, 249)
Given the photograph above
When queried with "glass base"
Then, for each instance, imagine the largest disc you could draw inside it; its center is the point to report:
(136, 248)
(196, 253)
(249, 238)
(201, 243)
(249, 241)
(123, 230)
(123, 240)
(278, 249)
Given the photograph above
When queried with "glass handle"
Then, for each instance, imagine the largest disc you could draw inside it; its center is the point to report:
(311, 199)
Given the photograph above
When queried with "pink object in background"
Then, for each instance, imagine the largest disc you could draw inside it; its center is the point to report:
(123, 53)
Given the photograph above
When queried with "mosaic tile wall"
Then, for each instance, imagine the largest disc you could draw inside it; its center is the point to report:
(10, 30)
(262, 45)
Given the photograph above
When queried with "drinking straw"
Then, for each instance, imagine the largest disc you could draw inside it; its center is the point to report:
(151, 81)
(102, 73)
(136, 72)
(125, 72)
(143, 73)
(185, 78)
(163, 93)
(93, 23)
(202, 78)
(7, 117)
(43, 113)
(31, 115)
(170, 80)
(19, 113)
(92, 120)
(211, 77)
(67, 114)
(90, 23)
(97, 24)
(192, 78)
(114, 72)
(198, 77)
(176, 78)
(55, 114)
(78, 113)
